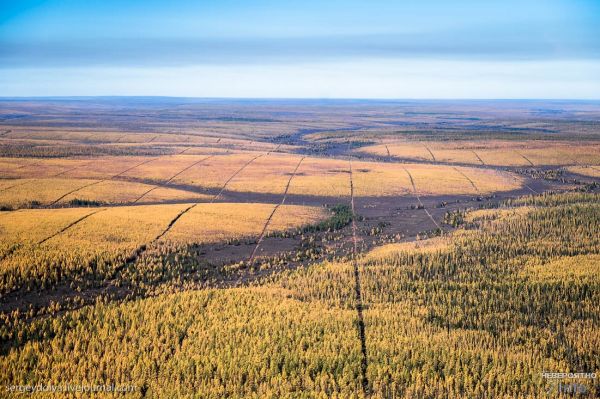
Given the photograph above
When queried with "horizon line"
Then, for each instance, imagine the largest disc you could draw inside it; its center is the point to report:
(304, 98)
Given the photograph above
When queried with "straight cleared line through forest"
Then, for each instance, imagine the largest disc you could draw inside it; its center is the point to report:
(268, 222)
(469, 179)
(26, 165)
(135, 256)
(165, 231)
(234, 175)
(101, 181)
(81, 219)
(357, 290)
(431, 153)
(172, 177)
(415, 193)
(112, 177)
(14, 185)
(187, 168)
(525, 158)
(72, 169)
(13, 248)
(478, 157)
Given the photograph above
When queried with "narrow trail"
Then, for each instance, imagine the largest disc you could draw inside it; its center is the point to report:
(468, 178)
(14, 185)
(101, 181)
(416, 194)
(5, 133)
(144, 194)
(525, 158)
(577, 163)
(478, 157)
(152, 139)
(268, 222)
(172, 177)
(70, 170)
(140, 250)
(388, 151)
(430, 153)
(358, 295)
(115, 176)
(75, 190)
(233, 177)
(187, 168)
(26, 165)
(14, 247)
(133, 167)
(173, 221)
(67, 227)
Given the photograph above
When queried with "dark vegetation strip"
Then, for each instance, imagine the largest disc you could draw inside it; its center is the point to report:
(342, 216)
(268, 222)
(358, 296)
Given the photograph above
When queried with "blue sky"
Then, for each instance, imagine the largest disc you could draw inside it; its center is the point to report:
(351, 48)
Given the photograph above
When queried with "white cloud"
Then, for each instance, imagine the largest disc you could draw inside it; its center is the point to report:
(375, 78)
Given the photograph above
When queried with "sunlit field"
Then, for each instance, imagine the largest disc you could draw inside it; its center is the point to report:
(494, 153)
(307, 250)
